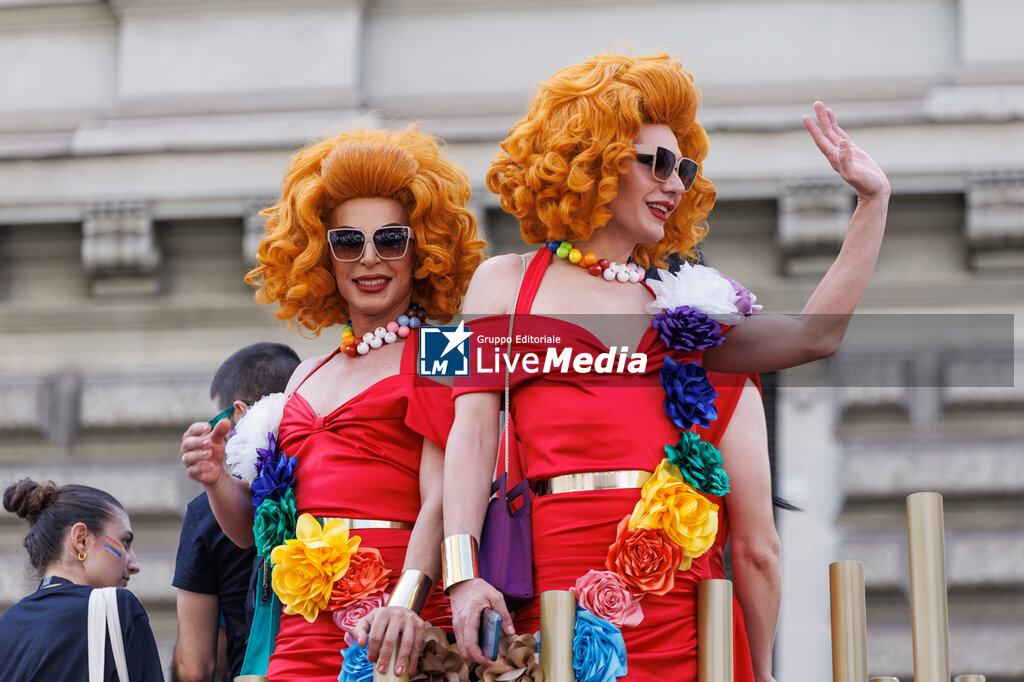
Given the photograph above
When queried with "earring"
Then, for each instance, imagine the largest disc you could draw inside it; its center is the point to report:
(81, 556)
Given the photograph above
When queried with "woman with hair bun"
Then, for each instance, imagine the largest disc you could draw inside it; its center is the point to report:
(371, 237)
(80, 538)
(605, 173)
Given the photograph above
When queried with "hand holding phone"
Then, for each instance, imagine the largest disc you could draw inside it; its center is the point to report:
(490, 632)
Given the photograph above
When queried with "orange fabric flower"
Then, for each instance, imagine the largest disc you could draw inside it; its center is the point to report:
(689, 519)
(306, 567)
(645, 559)
(366, 576)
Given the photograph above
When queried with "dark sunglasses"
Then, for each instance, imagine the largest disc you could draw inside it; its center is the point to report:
(663, 163)
(227, 412)
(347, 243)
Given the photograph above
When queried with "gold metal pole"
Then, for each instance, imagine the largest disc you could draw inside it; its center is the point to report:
(884, 678)
(928, 608)
(557, 625)
(849, 621)
(969, 678)
(251, 678)
(714, 631)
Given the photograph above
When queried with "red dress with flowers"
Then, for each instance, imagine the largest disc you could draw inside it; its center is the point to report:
(360, 461)
(568, 423)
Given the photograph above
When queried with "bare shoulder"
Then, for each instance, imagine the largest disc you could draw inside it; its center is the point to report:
(494, 284)
(301, 372)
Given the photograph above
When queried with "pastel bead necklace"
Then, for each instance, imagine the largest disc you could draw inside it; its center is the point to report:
(398, 328)
(598, 267)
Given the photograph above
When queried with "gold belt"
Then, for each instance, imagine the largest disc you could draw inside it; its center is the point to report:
(363, 524)
(591, 480)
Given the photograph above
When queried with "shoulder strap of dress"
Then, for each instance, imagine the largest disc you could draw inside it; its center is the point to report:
(407, 364)
(319, 365)
(532, 279)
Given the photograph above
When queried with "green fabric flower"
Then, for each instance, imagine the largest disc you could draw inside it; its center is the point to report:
(274, 523)
(700, 462)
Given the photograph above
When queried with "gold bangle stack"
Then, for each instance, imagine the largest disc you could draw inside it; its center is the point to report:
(458, 559)
(411, 590)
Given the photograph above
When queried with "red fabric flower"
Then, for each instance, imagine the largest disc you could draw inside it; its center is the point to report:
(367, 575)
(645, 559)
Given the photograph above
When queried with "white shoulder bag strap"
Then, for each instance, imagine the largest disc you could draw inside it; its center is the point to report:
(511, 323)
(103, 617)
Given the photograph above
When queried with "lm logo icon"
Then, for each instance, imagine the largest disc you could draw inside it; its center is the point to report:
(444, 351)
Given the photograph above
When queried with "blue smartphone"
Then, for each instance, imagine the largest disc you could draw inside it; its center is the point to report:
(490, 631)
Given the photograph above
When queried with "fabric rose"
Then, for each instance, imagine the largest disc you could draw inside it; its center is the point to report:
(367, 575)
(746, 303)
(690, 397)
(700, 462)
(697, 286)
(687, 329)
(265, 456)
(347, 617)
(689, 519)
(274, 523)
(598, 650)
(241, 452)
(645, 559)
(276, 477)
(439, 661)
(306, 567)
(605, 595)
(518, 661)
(356, 667)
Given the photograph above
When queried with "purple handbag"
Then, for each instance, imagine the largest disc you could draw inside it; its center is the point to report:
(506, 544)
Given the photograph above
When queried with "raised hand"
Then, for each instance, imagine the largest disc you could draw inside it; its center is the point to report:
(852, 163)
(202, 451)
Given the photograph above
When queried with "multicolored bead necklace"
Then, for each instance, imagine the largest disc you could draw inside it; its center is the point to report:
(598, 267)
(396, 329)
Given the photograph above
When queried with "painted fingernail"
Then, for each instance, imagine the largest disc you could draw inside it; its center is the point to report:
(398, 670)
(383, 668)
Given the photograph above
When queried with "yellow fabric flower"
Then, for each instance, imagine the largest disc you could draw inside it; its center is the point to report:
(306, 567)
(689, 519)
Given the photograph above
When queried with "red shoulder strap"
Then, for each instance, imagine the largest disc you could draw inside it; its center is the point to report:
(319, 365)
(532, 279)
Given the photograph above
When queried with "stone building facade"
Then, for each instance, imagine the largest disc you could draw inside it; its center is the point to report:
(139, 138)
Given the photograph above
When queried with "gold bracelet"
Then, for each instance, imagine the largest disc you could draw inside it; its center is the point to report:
(411, 590)
(458, 559)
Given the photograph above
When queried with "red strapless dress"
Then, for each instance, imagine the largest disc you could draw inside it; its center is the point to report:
(360, 461)
(567, 423)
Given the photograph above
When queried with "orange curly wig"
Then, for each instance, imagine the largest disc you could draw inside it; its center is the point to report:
(294, 264)
(560, 166)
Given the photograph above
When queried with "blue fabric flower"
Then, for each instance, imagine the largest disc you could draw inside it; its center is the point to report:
(275, 478)
(598, 650)
(700, 462)
(690, 397)
(356, 668)
(266, 455)
(686, 329)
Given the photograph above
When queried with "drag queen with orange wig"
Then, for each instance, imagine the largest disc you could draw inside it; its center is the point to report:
(605, 173)
(370, 238)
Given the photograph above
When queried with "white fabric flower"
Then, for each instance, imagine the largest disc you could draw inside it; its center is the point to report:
(251, 432)
(698, 286)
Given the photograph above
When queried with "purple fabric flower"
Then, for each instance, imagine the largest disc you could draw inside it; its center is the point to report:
(598, 650)
(690, 397)
(275, 478)
(745, 301)
(267, 454)
(686, 329)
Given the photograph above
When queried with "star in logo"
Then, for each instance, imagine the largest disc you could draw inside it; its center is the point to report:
(455, 338)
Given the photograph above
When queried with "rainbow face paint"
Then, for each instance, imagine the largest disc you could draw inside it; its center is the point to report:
(115, 547)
